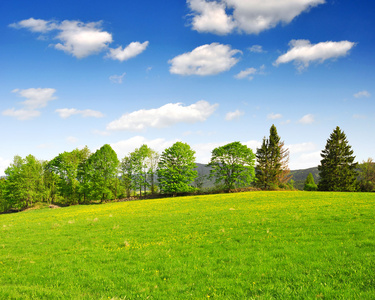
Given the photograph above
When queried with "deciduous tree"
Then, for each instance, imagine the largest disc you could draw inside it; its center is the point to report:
(176, 169)
(232, 165)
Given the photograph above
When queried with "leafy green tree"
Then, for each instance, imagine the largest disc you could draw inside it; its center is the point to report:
(152, 161)
(337, 169)
(310, 183)
(66, 166)
(24, 182)
(176, 169)
(126, 170)
(269, 161)
(3, 203)
(232, 165)
(366, 179)
(102, 168)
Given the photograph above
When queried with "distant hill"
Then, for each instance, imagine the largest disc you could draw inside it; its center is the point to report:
(299, 176)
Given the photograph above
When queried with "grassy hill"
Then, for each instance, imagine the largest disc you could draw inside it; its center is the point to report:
(258, 245)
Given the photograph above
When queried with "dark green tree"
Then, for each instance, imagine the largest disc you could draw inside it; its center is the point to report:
(310, 183)
(269, 161)
(232, 165)
(176, 169)
(337, 168)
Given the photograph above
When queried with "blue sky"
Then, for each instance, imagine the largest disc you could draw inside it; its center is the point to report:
(203, 72)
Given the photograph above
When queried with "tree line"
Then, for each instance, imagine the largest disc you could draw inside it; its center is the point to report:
(80, 177)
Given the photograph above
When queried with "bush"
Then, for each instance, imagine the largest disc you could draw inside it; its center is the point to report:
(310, 187)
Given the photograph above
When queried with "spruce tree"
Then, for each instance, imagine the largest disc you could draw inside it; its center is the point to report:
(310, 183)
(269, 161)
(337, 168)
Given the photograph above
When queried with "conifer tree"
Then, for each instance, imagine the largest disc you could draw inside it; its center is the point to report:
(337, 167)
(269, 158)
(310, 183)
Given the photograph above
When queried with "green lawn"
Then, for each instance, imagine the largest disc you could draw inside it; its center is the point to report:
(257, 245)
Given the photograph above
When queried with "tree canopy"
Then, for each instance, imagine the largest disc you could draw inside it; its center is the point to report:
(176, 169)
(233, 165)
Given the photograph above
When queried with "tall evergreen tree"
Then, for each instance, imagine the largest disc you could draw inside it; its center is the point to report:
(269, 160)
(337, 168)
(310, 183)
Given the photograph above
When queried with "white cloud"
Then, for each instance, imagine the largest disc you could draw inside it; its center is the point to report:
(302, 147)
(234, 115)
(285, 122)
(163, 116)
(210, 17)
(204, 60)
(21, 114)
(124, 147)
(273, 116)
(250, 72)
(246, 73)
(68, 112)
(250, 16)
(302, 52)
(36, 98)
(304, 160)
(362, 94)
(307, 119)
(35, 25)
(130, 51)
(256, 49)
(117, 78)
(81, 40)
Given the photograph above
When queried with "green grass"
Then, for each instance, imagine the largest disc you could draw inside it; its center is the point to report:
(257, 245)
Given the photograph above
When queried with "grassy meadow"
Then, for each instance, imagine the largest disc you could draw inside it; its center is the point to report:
(256, 245)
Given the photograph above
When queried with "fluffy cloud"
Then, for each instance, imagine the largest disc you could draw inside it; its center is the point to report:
(35, 25)
(71, 140)
(81, 39)
(124, 147)
(68, 112)
(362, 94)
(132, 50)
(304, 160)
(250, 16)
(234, 115)
(302, 52)
(307, 119)
(163, 116)
(21, 114)
(204, 60)
(274, 116)
(250, 72)
(36, 98)
(210, 17)
(117, 78)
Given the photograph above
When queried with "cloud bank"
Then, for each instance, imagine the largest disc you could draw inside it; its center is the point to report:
(164, 116)
(68, 112)
(36, 98)
(249, 16)
(81, 39)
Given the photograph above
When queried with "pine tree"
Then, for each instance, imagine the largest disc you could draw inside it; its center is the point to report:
(269, 169)
(337, 167)
(310, 183)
